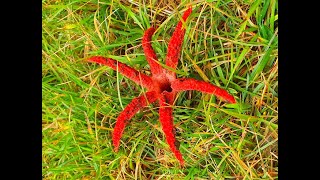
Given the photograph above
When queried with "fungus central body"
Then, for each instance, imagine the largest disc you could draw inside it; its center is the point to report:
(162, 86)
(162, 83)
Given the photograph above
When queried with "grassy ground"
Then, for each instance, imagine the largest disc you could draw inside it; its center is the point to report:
(231, 43)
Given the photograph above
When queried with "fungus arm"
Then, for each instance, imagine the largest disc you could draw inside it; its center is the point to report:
(149, 52)
(129, 111)
(175, 42)
(127, 71)
(193, 84)
(165, 112)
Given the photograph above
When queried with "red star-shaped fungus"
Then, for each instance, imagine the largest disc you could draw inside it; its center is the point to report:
(162, 85)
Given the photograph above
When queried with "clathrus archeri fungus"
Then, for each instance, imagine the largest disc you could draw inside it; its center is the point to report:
(162, 85)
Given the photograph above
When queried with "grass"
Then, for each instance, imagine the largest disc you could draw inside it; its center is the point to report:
(231, 43)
